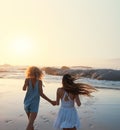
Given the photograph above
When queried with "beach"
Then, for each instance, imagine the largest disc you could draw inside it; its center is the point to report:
(100, 112)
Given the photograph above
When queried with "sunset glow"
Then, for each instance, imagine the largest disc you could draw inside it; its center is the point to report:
(55, 33)
(21, 46)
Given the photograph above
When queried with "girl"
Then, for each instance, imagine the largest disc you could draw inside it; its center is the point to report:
(33, 85)
(67, 118)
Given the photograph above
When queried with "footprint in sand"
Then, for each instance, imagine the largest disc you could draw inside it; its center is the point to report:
(8, 121)
(20, 115)
(91, 125)
(36, 126)
(45, 119)
(53, 113)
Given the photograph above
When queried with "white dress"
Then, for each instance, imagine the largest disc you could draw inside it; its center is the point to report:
(67, 116)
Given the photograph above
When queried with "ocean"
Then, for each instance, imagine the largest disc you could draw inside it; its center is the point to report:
(18, 72)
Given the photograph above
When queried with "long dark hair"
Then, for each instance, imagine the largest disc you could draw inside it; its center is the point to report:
(76, 88)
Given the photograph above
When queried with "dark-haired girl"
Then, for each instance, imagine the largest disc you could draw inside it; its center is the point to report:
(68, 118)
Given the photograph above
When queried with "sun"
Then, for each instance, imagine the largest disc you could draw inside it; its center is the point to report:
(20, 50)
(21, 46)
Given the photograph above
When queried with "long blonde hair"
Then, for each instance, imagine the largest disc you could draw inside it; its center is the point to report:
(34, 72)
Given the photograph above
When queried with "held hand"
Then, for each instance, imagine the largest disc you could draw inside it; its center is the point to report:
(53, 103)
(24, 88)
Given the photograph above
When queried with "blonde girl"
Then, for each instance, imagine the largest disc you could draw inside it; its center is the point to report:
(33, 85)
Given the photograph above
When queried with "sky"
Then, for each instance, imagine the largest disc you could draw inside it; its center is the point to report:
(59, 32)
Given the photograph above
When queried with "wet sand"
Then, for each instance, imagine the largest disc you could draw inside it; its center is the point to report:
(101, 112)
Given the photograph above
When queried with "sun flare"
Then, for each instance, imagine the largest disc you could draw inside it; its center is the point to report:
(21, 46)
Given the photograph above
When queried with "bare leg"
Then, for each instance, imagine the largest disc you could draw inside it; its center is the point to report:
(69, 128)
(31, 118)
(72, 128)
(28, 114)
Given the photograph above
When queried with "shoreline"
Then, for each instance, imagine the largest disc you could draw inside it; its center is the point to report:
(100, 112)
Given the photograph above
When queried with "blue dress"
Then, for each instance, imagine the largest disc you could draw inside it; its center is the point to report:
(67, 115)
(32, 97)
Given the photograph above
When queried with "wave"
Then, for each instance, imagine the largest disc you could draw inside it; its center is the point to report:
(99, 74)
(101, 83)
(100, 78)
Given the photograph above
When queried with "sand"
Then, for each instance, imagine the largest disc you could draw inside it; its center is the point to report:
(101, 112)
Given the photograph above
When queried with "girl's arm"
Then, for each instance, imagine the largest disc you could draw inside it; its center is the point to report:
(43, 95)
(25, 84)
(58, 96)
(77, 99)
